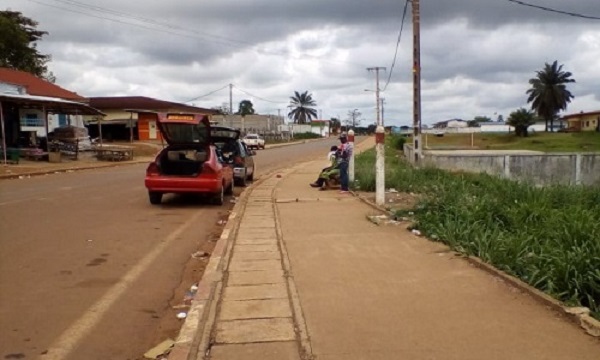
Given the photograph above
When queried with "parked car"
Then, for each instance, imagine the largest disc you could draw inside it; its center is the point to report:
(189, 164)
(234, 153)
(254, 141)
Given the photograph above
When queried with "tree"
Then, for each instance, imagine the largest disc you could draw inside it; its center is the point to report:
(335, 124)
(521, 120)
(548, 94)
(303, 110)
(245, 108)
(478, 120)
(353, 117)
(18, 48)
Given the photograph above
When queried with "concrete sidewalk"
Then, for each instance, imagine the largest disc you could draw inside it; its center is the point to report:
(304, 275)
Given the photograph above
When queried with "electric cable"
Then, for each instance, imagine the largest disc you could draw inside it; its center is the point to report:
(555, 10)
(397, 45)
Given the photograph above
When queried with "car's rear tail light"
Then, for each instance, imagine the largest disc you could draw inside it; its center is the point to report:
(153, 169)
(238, 160)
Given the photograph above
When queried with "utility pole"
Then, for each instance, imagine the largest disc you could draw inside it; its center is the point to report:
(379, 147)
(377, 69)
(416, 14)
(231, 98)
(382, 118)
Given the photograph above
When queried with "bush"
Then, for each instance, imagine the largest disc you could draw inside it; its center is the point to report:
(308, 135)
(398, 141)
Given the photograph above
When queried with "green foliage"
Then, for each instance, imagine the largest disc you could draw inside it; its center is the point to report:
(308, 135)
(521, 119)
(398, 141)
(18, 37)
(548, 237)
(548, 93)
(302, 106)
(245, 108)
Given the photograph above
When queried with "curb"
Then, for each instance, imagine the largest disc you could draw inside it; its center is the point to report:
(193, 340)
(578, 315)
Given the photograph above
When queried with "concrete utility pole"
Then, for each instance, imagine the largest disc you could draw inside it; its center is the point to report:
(416, 81)
(379, 146)
(230, 98)
(351, 164)
(377, 69)
(382, 118)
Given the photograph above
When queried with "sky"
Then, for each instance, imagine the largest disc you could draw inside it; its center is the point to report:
(477, 56)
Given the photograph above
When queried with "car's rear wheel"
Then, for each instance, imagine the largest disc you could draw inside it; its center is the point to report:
(251, 176)
(155, 197)
(219, 198)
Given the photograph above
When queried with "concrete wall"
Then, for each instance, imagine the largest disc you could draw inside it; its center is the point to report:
(541, 169)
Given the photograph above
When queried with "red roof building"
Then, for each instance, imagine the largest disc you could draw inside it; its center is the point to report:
(34, 85)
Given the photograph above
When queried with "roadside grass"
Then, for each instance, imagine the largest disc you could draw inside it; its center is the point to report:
(545, 142)
(548, 237)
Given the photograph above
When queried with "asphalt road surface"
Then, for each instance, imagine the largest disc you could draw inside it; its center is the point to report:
(90, 270)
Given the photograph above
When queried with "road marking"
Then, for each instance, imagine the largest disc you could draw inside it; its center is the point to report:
(70, 338)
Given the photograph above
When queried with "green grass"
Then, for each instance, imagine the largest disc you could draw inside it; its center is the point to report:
(545, 142)
(548, 237)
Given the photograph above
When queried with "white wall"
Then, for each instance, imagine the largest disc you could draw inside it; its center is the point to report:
(53, 122)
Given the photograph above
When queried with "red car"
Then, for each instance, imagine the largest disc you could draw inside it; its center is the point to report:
(189, 164)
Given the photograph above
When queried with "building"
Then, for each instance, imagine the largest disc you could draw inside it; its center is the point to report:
(133, 117)
(251, 124)
(583, 121)
(32, 107)
(452, 123)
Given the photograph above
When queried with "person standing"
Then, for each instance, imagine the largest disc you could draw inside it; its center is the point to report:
(344, 154)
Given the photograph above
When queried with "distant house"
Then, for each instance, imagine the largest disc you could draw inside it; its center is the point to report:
(320, 127)
(32, 107)
(452, 123)
(583, 121)
(133, 116)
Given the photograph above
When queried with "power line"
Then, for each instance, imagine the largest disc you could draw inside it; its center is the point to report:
(258, 97)
(397, 45)
(208, 94)
(555, 11)
(146, 20)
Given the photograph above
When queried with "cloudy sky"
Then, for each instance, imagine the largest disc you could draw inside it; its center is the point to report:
(476, 55)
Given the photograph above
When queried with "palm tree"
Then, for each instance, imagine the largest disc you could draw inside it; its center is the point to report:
(302, 108)
(548, 94)
(521, 120)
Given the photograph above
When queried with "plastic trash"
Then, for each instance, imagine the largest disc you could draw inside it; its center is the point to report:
(181, 315)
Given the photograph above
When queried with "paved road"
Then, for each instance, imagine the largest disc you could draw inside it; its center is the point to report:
(89, 270)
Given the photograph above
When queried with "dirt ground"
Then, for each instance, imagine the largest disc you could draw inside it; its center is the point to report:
(394, 200)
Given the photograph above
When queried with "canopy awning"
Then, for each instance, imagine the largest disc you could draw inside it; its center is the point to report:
(50, 104)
